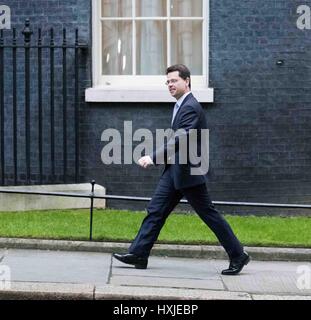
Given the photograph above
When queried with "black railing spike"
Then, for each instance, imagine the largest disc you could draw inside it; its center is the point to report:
(14, 37)
(1, 37)
(77, 37)
(93, 184)
(64, 37)
(52, 37)
(39, 36)
(27, 32)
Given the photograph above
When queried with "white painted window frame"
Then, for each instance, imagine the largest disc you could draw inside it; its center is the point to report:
(137, 88)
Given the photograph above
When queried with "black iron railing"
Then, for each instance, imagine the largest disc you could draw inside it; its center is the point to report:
(33, 65)
(93, 196)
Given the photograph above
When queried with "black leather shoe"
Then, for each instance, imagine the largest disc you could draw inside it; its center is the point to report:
(237, 265)
(129, 258)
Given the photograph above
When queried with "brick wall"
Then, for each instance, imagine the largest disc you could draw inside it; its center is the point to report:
(259, 124)
(260, 119)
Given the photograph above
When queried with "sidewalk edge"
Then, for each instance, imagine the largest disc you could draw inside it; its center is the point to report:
(182, 251)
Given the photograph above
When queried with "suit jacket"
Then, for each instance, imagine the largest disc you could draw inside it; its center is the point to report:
(189, 116)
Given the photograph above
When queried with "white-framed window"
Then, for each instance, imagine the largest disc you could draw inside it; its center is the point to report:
(135, 40)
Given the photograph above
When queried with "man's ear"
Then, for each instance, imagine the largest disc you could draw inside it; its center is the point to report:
(188, 82)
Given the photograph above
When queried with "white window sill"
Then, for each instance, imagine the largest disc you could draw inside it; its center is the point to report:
(149, 94)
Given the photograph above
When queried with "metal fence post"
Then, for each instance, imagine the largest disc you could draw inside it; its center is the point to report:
(91, 209)
(40, 106)
(52, 103)
(77, 108)
(27, 32)
(14, 92)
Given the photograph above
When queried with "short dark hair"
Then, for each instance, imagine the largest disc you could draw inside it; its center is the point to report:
(184, 72)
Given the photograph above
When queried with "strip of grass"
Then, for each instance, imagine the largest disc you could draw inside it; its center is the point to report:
(118, 225)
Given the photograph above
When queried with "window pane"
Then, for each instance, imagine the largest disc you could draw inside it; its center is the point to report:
(116, 8)
(151, 47)
(187, 45)
(117, 47)
(186, 8)
(150, 8)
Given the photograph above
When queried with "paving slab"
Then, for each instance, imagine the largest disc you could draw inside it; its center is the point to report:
(279, 297)
(171, 267)
(55, 291)
(58, 266)
(169, 272)
(208, 284)
(255, 283)
(147, 293)
(268, 277)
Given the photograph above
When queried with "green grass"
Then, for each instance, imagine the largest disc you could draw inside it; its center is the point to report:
(116, 225)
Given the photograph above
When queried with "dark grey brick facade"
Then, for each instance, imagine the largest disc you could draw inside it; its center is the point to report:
(45, 15)
(260, 134)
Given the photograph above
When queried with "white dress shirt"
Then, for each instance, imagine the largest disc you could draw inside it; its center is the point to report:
(178, 104)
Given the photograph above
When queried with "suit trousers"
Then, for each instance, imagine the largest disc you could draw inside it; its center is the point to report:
(165, 199)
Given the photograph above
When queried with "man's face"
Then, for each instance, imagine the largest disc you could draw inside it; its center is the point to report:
(177, 85)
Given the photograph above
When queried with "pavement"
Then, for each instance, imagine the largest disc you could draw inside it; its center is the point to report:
(73, 270)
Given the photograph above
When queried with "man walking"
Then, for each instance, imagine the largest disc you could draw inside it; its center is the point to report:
(177, 181)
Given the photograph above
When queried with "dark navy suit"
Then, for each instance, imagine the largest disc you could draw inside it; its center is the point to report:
(177, 182)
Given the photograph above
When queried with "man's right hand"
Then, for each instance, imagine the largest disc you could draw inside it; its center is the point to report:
(145, 161)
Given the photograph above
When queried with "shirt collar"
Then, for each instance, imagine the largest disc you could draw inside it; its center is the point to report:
(182, 98)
